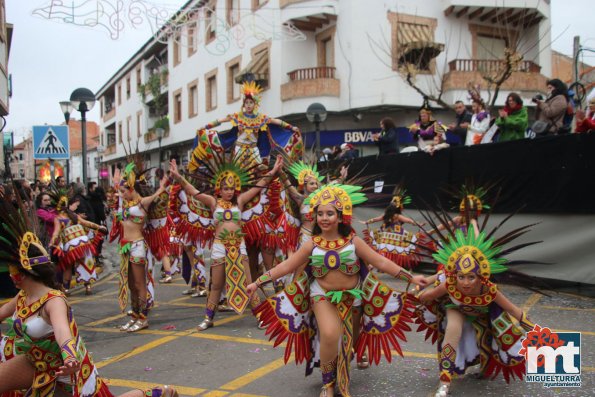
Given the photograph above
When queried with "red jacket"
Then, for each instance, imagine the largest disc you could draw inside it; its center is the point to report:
(588, 124)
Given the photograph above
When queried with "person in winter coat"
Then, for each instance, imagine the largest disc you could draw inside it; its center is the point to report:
(513, 120)
(553, 109)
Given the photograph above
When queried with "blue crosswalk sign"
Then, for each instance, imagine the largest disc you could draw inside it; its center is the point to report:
(51, 142)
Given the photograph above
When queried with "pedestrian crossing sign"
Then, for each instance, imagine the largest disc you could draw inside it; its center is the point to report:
(51, 142)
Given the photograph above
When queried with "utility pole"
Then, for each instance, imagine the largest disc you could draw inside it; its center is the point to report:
(575, 50)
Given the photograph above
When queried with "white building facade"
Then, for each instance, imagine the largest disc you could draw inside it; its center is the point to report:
(343, 54)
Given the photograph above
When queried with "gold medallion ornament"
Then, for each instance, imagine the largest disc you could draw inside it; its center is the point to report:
(341, 197)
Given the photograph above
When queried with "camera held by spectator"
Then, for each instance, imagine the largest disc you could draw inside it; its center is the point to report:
(536, 98)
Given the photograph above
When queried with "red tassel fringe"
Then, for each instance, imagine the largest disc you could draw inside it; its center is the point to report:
(300, 343)
(376, 344)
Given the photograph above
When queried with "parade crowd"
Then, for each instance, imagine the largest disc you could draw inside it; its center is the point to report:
(261, 228)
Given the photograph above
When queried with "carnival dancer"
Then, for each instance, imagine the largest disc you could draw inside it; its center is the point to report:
(254, 134)
(42, 353)
(392, 240)
(466, 313)
(135, 262)
(332, 285)
(229, 261)
(194, 229)
(71, 243)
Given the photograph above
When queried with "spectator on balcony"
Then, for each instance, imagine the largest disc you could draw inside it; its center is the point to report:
(426, 128)
(586, 123)
(480, 122)
(463, 119)
(348, 152)
(438, 143)
(513, 120)
(387, 139)
(553, 109)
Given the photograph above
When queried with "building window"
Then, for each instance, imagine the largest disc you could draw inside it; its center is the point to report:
(211, 23)
(178, 106)
(119, 89)
(193, 99)
(325, 46)
(101, 107)
(260, 64)
(138, 123)
(120, 132)
(412, 42)
(177, 49)
(128, 88)
(128, 122)
(256, 4)
(233, 12)
(233, 88)
(211, 90)
(192, 38)
(139, 80)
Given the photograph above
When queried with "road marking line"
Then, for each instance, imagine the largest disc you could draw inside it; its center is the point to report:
(104, 320)
(254, 375)
(144, 331)
(183, 298)
(229, 320)
(531, 301)
(564, 308)
(181, 304)
(133, 384)
(246, 395)
(142, 349)
(215, 393)
(588, 369)
(203, 335)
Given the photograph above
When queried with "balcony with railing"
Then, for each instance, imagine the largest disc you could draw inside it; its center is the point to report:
(526, 75)
(311, 82)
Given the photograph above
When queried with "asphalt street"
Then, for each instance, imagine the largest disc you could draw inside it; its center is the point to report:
(236, 359)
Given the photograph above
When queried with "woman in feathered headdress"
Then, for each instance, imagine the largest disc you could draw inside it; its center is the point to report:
(466, 313)
(42, 352)
(426, 127)
(254, 133)
(133, 215)
(333, 284)
(229, 261)
(480, 121)
(71, 242)
(392, 240)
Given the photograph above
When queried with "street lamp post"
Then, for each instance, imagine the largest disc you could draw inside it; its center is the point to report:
(67, 108)
(159, 131)
(316, 113)
(83, 100)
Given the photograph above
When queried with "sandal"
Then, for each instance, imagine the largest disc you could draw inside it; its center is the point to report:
(364, 363)
(325, 391)
(88, 289)
(161, 391)
(205, 324)
(129, 324)
(443, 390)
(138, 325)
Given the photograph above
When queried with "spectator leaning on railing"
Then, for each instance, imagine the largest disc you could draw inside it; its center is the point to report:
(480, 122)
(463, 119)
(387, 140)
(513, 120)
(553, 109)
(586, 123)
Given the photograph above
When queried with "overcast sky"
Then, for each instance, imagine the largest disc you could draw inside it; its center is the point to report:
(49, 58)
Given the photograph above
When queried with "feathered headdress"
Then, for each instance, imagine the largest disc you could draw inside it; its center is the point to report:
(219, 172)
(251, 90)
(342, 197)
(302, 171)
(475, 94)
(17, 238)
(134, 174)
(60, 197)
(400, 197)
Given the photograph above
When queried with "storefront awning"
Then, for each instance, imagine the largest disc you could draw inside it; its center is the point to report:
(416, 43)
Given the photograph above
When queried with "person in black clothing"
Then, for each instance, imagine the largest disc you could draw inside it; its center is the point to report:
(387, 140)
(84, 209)
(463, 119)
(97, 199)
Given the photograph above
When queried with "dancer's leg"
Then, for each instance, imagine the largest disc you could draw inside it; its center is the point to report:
(16, 374)
(138, 269)
(329, 330)
(452, 336)
(216, 287)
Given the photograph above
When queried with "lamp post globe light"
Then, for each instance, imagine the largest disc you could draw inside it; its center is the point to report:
(316, 113)
(67, 109)
(83, 100)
